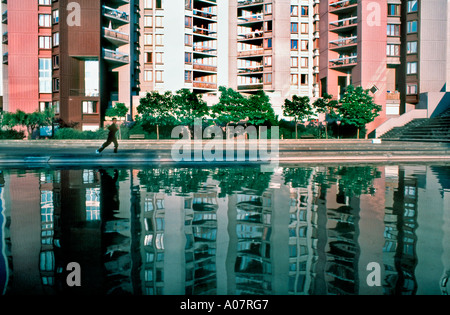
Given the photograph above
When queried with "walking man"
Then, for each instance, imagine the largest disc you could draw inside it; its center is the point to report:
(111, 137)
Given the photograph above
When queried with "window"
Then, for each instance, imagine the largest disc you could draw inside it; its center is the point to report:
(267, 61)
(294, 44)
(268, 8)
(55, 61)
(304, 43)
(187, 76)
(148, 57)
(393, 9)
(294, 27)
(148, 4)
(44, 2)
(159, 57)
(44, 105)
(148, 21)
(89, 107)
(294, 79)
(304, 28)
(411, 47)
(148, 39)
(188, 40)
(159, 4)
(158, 39)
(392, 50)
(411, 68)
(55, 15)
(411, 89)
(188, 57)
(148, 75)
(44, 20)
(188, 21)
(303, 79)
(304, 10)
(56, 106)
(91, 78)
(294, 10)
(55, 39)
(304, 62)
(45, 42)
(412, 6)
(45, 75)
(393, 30)
(159, 21)
(267, 77)
(159, 76)
(411, 26)
(55, 84)
(268, 43)
(294, 62)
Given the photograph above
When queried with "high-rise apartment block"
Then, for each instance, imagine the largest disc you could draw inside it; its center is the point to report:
(84, 56)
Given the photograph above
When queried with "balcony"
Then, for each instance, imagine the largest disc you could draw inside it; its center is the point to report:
(344, 24)
(204, 32)
(115, 37)
(256, 17)
(393, 96)
(249, 2)
(343, 43)
(247, 87)
(205, 85)
(251, 35)
(251, 52)
(5, 58)
(204, 15)
(203, 67)
(116, 57)
(118, 2)
(5, 38)
(5, 17)
(205, 50)
(343, 6)
(343, 62)
(250, 69)
(116, 16)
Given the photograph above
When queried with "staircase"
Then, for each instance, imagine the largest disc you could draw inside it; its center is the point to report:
(423, 129)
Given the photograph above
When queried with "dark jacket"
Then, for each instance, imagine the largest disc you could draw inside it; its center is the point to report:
(112, 131)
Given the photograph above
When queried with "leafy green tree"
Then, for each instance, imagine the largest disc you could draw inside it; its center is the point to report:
(119, 110)
(299, 108)
(31, 121)
(230, 107)
(189, 106)
(156, 109)
(259, 109)
(326, 105)
(357, 108)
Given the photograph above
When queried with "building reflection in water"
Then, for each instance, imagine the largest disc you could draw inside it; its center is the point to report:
(194, 231)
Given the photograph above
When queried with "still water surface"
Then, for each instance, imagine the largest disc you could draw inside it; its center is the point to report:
(226, 230)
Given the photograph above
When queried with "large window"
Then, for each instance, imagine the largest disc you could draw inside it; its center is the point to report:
(89, 107)
(412, 6)
(411, 68)
(411, 47)
(45, 20)
(392, 50)
(45, 75)
(412, 26)
(45, 42)
(393, 9)
(91, 78)
(393, 30)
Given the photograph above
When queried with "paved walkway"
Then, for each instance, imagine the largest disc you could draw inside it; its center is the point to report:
(82, 152)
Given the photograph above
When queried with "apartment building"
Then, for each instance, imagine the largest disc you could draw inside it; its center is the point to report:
(396, 49)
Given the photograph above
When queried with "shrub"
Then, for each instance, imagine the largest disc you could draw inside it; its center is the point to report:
(69, 133)
(12, 134)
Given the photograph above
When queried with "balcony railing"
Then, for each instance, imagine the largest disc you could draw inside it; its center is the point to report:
(116, 34)
(116, 56)
(351, 21)
(393, 95)
(5, 58)
(204, 31)
(342, 4)
(204, 14)
(343, 42)
(199, 66)
(344, 61)
(254, 34)
(252, 52)
(256, 17)
(246, 2)
(116, 14)
(251, 69)
(204, 85)
(5, 38)
(205, 49)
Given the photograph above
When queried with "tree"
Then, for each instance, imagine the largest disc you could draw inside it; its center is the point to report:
(119, 110)
(356, 107)
(189, 106)
(299, 108)
(230, 107)
(156, 109)
(327, 106)
(31, 121)
(259, 110)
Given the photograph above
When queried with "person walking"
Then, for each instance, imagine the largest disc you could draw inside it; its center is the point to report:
(111, 137)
